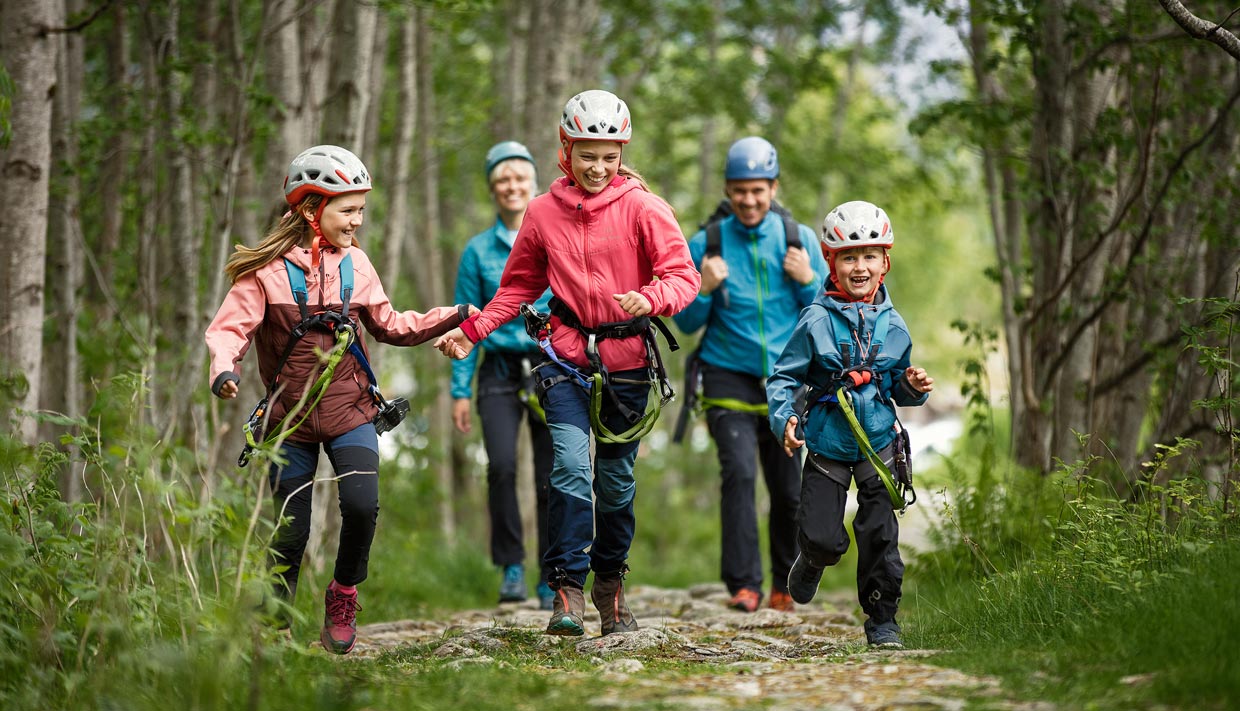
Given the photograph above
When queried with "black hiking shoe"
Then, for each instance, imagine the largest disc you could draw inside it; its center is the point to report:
(567, 612)
(803, 580)
(608, 596)
(883, 635)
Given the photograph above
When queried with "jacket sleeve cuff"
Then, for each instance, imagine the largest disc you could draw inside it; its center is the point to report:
(222, 378)
(470, 329)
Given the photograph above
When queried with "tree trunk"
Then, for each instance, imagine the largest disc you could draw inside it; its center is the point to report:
(113, 169)
(28, 53)
(282, 70)
(62, 386)
(397, 230)
(348, 96)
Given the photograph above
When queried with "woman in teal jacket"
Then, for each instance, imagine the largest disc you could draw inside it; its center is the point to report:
(502, 376)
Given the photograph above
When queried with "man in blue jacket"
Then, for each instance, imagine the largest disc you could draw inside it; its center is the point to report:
(756, 278)
(507, 357)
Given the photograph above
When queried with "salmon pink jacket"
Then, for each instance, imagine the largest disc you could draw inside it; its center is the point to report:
(588, 247)
(260, 309)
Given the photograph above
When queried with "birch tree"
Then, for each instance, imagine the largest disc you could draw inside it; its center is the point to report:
(28, 54)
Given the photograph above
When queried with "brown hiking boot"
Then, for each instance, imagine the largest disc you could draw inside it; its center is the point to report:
(781, 601)
(568, 609)
(608, 596)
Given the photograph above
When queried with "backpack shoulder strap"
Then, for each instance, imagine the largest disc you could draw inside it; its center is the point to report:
(881, 325)
(714, 240)
(297, 282)
(792, 232)
(346, 284)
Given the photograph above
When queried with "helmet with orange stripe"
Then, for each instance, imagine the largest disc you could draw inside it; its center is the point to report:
(593, 115)
(325, 170)
(856, 224)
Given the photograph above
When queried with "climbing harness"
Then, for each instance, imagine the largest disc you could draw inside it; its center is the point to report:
(853, 377)
(596, 379)
(391, 412)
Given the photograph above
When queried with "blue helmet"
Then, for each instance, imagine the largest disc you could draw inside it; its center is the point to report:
(752, 158)
(504, 150)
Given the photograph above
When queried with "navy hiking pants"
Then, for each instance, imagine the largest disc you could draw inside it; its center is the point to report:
(607, 531)
(355, 454)
(824, 540)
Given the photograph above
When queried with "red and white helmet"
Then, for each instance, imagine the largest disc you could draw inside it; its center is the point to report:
(596, 115)
(325, 170)
(856, 224)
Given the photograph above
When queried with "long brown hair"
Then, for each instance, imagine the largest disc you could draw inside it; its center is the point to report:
(631, 174)
(291, 231)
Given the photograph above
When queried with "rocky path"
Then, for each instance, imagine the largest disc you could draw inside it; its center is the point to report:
(694, 653)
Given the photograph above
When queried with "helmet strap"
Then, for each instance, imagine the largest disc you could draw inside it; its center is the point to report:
(319, 240)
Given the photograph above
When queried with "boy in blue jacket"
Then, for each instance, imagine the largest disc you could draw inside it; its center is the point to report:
(851, 337)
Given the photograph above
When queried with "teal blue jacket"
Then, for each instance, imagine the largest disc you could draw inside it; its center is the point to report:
(813, 358)
(477, 280)
(748, 334)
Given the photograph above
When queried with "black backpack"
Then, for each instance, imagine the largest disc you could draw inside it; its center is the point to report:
(714, 233)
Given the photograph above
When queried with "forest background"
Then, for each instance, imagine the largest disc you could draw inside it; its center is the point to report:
(1061, 177)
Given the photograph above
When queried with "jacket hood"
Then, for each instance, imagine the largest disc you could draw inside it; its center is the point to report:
(570, 195)
(824, 298)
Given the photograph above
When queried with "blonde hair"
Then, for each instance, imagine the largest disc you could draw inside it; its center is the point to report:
(291, 231)
(521, 167)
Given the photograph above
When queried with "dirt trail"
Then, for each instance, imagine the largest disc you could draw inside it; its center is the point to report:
(815, 658)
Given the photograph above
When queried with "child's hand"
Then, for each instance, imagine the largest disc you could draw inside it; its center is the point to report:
(918, 379)
(791, 443)
(633, 303)
(228, 390)
(454, 344)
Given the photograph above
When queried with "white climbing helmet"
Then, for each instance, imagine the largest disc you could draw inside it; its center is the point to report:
(856, 224)
(325, 170)
(596, 115)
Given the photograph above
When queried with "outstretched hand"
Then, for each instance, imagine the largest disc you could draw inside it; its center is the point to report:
(454, 344)
(633, 303)
(918, 379)
(791, 443)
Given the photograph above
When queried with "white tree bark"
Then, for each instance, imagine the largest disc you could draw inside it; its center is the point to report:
(1201, 29)
(28, 54)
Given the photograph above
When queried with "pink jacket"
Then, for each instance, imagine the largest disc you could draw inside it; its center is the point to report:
(260, 309)
(587, 248)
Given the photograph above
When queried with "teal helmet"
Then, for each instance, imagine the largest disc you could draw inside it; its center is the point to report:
(503, 151)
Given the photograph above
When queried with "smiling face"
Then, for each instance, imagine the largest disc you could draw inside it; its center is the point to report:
(512, 186)
(594, 163)
(342, 218)
(858, 270)
(751, 199)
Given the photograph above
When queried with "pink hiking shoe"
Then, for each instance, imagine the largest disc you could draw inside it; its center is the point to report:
(340, 622)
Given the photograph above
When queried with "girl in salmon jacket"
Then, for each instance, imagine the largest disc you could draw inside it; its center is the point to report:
(299, 294)
(613, 255)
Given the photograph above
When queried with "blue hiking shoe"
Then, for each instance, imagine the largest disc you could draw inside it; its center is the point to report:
(546, 596)
(883, 635)
(803, 580)
(512, 587)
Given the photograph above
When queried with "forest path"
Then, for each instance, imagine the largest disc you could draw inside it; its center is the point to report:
(693, 652)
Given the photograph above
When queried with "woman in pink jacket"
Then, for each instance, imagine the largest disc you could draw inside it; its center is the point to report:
(613, 255)
(301, 293)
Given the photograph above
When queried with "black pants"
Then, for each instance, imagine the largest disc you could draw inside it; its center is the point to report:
(353, 453)
(824, 540)
(501, 412)
(744, 441)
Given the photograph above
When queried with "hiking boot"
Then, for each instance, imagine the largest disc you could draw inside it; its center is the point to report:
(803, 580)
(568, 608)
(512, 587)
(746, 600)
(546, 596)
(340, 622)
(781, 601)
(608, 597)
(883, 635)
